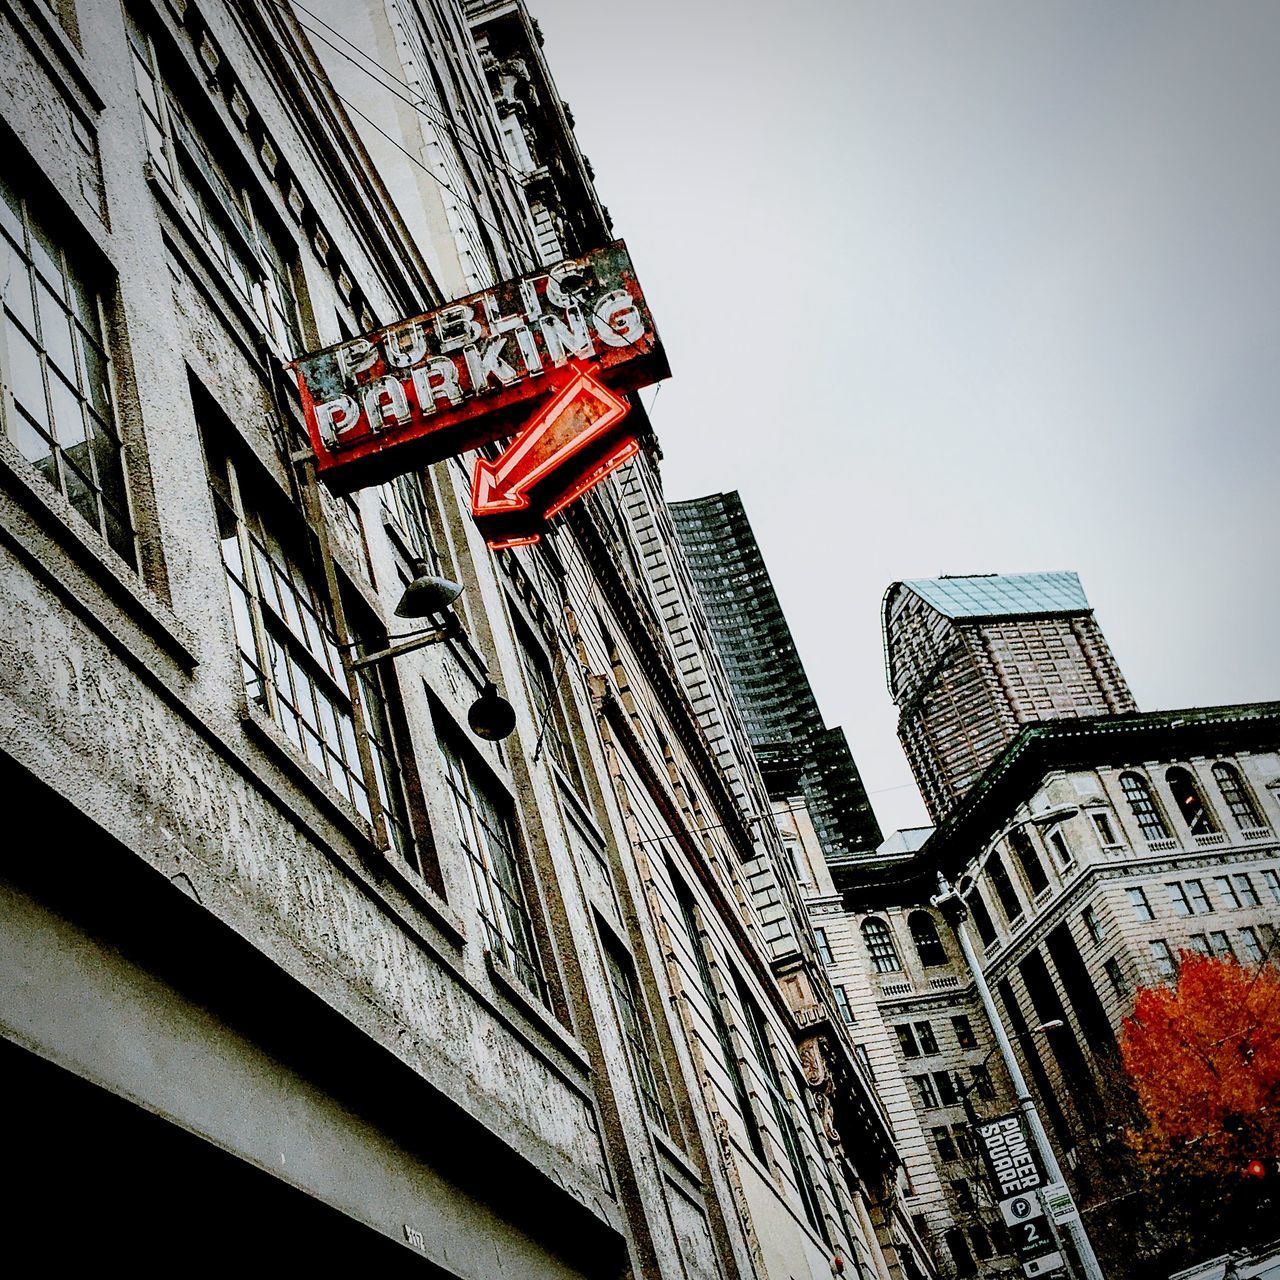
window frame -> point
(67, 385)
(1144, 807)
(510, 935)
(636, 1025)
(882, 952)
(284, 629)
(1237, 796)
(223, 215)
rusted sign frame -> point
(469, 373)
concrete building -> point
(970, 660)
(1091, 853)
(299, 970)
(768, 679)
(1092, 849)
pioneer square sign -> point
(478, 370)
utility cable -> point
(520, 253)
(351, 106)
(481, 149)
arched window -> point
(1137, 792)
(924, 933)
(1189, 803)
(1236, 794)
(875, 933)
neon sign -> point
(468, 374)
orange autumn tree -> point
(1203, 1059)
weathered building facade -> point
(296, 943)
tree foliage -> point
(1202, 1059)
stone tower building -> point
(970, 660)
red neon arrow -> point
(578, 414)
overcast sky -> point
(959, 287)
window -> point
(489, 840)
(289, 657)
(1093, 926)
(964, 1032)
(942, 1140)
(946, 1087)
(58, 407)
(1061, 849)
(924, 1087)
(718, 1019)
(963, 1193)
(1138, 793)
(404, 507)
(220, 214)
(1236, 794)
(1272, 880)
(1141, 907)
(636, 1031)
(981, 1243)
(843, 1005)
(925, 1037)
(782, 1110)
(981, 918)
(1166, 966)
(907, 1041)
(1199, 943)
(1253, 948)
(964, 1142)
(958, 1247)
(1178, 898)
(1106, 832)
(1238, 890)
(864, 1060)
(1200, 901)
(1248, 894)
(924, 934)
(1115, 975)
(548, 707)
(875, 933)
(824, 947)
(982, 1084)
(1220, 945)
(1003, 886)
(1029, 860)
(1188, 801)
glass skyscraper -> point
(797, 753)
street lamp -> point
(952, 905)
(969, 1110)
(428, 596)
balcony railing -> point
(1256, 833)
(1211, 838)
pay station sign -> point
(473, 372)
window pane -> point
(50, 394)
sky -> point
(962, 287)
